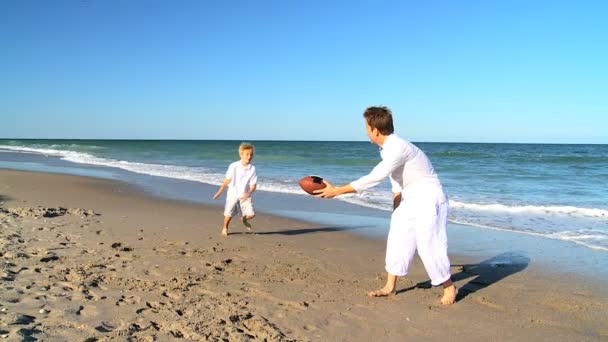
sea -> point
(549, 191)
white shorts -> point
(234, 203)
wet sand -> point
(85, 259)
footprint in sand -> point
(128, 300)
(155, 306)
(21, 319)
(105, 327)
(85, 311)
(8, 275)
(49, 258)
(485, 301)
(172, 295)
(153, 272)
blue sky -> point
(470, 71)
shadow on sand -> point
(304, 230)
(4, 198)
(484, 274)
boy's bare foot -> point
(449, 295)
(383, 292)
(246, 223)
(225, 231)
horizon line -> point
(303, 140)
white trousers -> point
(419, 223)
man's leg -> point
(432, 246)
(400, 249)
(449, 293)
(388, 289)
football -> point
(311, 183)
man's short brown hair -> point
(380, 118)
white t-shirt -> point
(241, 177)
(403, 162)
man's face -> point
(371, 133)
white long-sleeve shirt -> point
(404, 163)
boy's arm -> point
(221, 189)
(247, 194)
(253, 184)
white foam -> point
(170, 171)
(531, 209)
(48, 152)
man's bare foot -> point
(246, 223)
(449, 295)
(383, 292)
(225, 231)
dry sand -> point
(85, 259)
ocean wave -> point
(383, 201)
(532, 209)
(63, 147)
(197, 174)
(162, 170)
(461, 154)
(373, 199)
(593, 239)
(44, 151)
(488, 216)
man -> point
(420, 206)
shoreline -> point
(553, 256)
(147, 267)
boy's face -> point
(246, 156)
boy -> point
(241, 180)
(420, 206)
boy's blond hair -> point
(246, 146)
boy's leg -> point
(227, 220)
(229, 211)
(246, 222)
(247, 212)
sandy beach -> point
(86, 259)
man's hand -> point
(245, 196)
(328, 192)
(396, 200)
(217, 194)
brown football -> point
(311, 183)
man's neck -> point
(381, 139)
